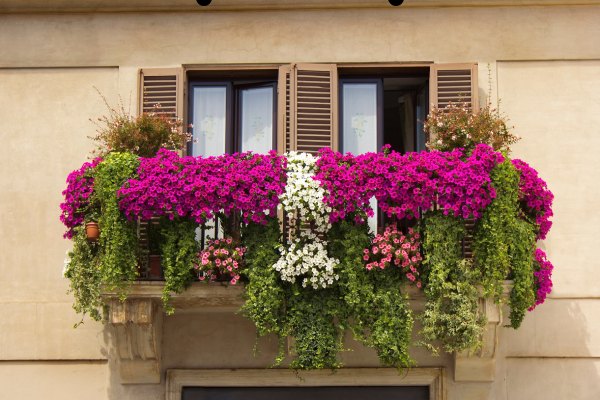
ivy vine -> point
(521, 251)
(118, 236)
(83, 272)
(504, 242)
(265, 297)
(374, 306)
(179, 250)
(451, 313)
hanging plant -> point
(329, 274)
(451, 313)
(77, 206)
(85, 280)
(179, 255)
(118, 237)
(543, 278)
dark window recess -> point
(401, 101)
(303, 393)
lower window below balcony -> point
(302, 393)
(346, 383)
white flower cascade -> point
(306, 257)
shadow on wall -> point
(556, 353)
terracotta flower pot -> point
(92, 231)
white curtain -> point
(257, 119)
(359, 119)
(210, 105)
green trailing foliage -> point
(504, 243)
(493, 232)
(375, 309)
(83, 272)
(179, 251)
(265, 296)
(391, 328)
(310, 317)
(451, 315)
(371, 305)
(313, 321)
(521, 250)
(118, 236)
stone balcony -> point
(136, 326)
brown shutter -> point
(308, 94)
(454, 83)
(285, 125)
(164, 87)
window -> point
(384, 383)
(232, 115)
(388, 108)
(382, 107)
(307, 392)
(234, 103)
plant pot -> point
(92, 231)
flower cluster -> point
(307, 259)
(394, 248)
(80, 186)
(347, 184)
(406, 184)
(222, 259)
(302, 199)
(307, 214)
(457, 126)
(543, 277)
(535, 197)
(198, 188)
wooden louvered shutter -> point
(308, 102)
(454, 83)
(285, 131)
(164, 87)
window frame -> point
(379, 83)
(232, 77)
(434, 378)
(228, 110)
(237, 129)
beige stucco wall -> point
(50, 64)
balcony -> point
(291, 245)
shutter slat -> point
(454, 83)
(315, 106)
(161, 87)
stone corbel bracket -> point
(137, 328)
(480, 366)
(136, 324)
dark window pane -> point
(311, 393)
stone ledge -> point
(137, 328)
(88, 6)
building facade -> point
(538, 60)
